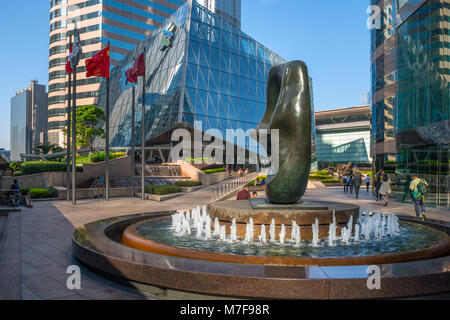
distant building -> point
(343, 135)
(5, 154)
(28, 119)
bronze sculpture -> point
(289, 110)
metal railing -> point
(226, 188)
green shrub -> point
(320, 172)
(24, 191)
(319, 177)
(330, 180)
(162, 190)
(38, 193)
(213, 166)
(33, 167)
(188, 184)
(212, 171)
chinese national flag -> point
(99, 65)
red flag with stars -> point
(99, 65)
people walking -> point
(350, 183)
(385, 188)
(357, 182)
(377, 181)
(406, 192)
(367, 181)
(344, 181)
(418, 187)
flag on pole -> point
(99, 65)
(138, 69)
(125, 82)
(76, 49)
(68, 67)
(131, 73)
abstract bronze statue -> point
(289, 111)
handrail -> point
(228, 187)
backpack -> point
(422, 187)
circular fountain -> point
(280, 247)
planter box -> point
(155, 197)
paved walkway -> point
(37, 242)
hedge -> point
(39, 193)
(319, 177)
(33, 167)
(100, 156)
(330, 180)
(162, 190)
(212, 171)
(188, 184)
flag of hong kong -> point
(99, 65)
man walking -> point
(418, 187)
(367, 181)
(357, 182)
(345, 181)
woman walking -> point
(385, 188)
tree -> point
(46, 148)
(88, 117)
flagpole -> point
(69, 110)
(143, 136)
(107, 141)
(74, 137)
(132, 143)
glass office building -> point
(28, 120)
(199, 68)
(123, 23)
(411, 71)
(343, 136)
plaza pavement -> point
(36, 248)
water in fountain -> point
(262, 236)
(298, 236)
(272, 231)
(216, 227)
(345, 235)
(282, 234)
(208, 227)
(370, 226)
(293, 231)
(233, 235)
(356, 239)
(315, 232)
(332, 231)
(249, 232)
(223, 233)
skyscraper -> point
(227, 9)
(410, 93)
(28, 119)
(123, 23)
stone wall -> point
(188, 170)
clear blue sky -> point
(329, 35)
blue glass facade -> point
(411, 93)
(211, 72)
